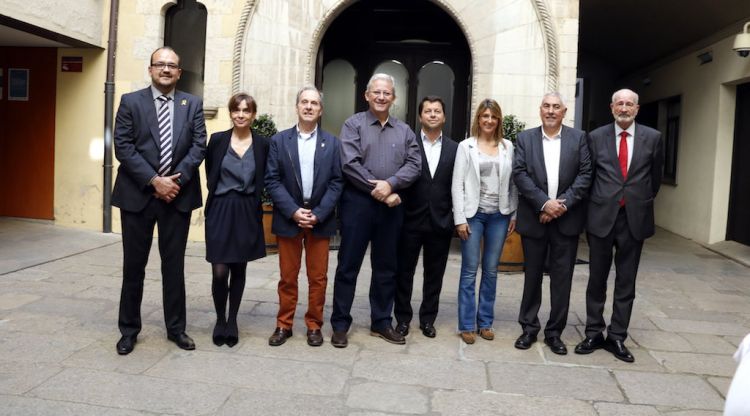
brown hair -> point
(494, 107)
(234, 102)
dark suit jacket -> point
(427, 202)
(217, 149)
(284, 182)
(530, 176)
(137, 148)
(608, 186)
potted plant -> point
(511, 259)
(264, 125)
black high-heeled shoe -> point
(231, 335)
(219, 336)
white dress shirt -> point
(630, 140)
(432, 151)
(551, 146)
(306, 150)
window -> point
(185, 32)
(664, 115)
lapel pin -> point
(183, 102)
(322, 145)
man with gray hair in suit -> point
(379, 157)
(552, 170)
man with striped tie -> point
(160, 140)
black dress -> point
(234, 230)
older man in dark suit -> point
(428, 221)
(303, 177)
(552, 170)
(160, 140)
(627, 160)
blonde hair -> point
(494, 107)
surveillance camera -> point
(742, 42)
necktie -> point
(165, 136)
(623, 156)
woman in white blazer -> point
(484, 208)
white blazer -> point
(465, 185)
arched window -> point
(185, 32)
(399, 73)
(338, 94)
(436, 78)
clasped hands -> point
(553, 208)
(166, 187)
(304, 218)
(384, 193)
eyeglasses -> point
(162, 65)
(385, 94)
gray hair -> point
(382, 77)
(624, 90)
(556, 95)
(310, 88)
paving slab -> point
(619, 409)
(29, 406)
(459, 403)
(554, 381)
(39, 348)
(677, 390)
(20, 377)
(389, 398)
(700, 327)
(694, 363)
(124, 391)
(252, 402)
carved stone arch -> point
(333, 13)
(239, 43)
(550, 44)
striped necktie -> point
(165, 136)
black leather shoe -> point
(389, 335)
(232, 334)
(182, 340)
(524, 341)
(338, 339)
(556, 345)
(219, 336)
(280, 335)
(619, 350)
(403, 328)
(589, 345)
(314, 337)
(428, 330)
(126, 344)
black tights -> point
(222, 287)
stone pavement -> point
(59, 291)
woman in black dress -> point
(235, 167)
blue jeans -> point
(493, 229)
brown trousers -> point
(316, 263)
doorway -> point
(27, 136)
(416, 42)
(738, 222)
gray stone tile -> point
(502, 350)
(702, 364)
(37, 348)
(29, 406)
(692, 413)
(619, 409)
(603, 359)
(101, 355)
(660, 340)
(677, 390)
(256, 373)
(296, 348)
(462, 403)
(250, 402)
(133, 392)
(699, 327)
(388, 398)
(721, 384)
(710, 344)
(445, 373)
(554, 381)
(20, 377)
(10, 301)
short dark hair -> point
(237, 99)
(430, 99)
(163, 48)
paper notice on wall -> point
(18, 84)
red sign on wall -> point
(71, 64)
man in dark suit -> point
(303, 177)
(428, 221)
(627, 160)
(379, 158)
(552, 170)
(160, 140)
